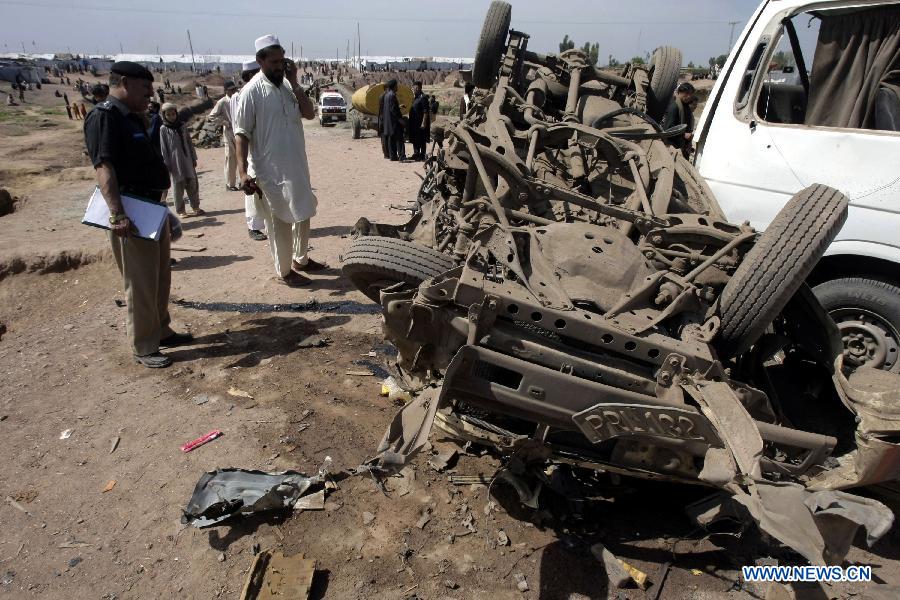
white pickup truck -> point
(811, 94)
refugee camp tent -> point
(13, 73)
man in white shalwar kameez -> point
(221, 115)
(255, 223)
(269, 131)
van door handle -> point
(752, 126)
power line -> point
(298, 17)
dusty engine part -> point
(568, 283)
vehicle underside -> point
(568, 291)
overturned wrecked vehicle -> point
(568, 290)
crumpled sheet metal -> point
(820, 526)
(224, 493)
(406, 434)
(874, 396)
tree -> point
(592, 51)
(783, 59)
(717, 61)
(637, 60)
(613, 62)
(691, 65)
(566, 44)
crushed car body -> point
(568, 290)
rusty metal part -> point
(580, 320)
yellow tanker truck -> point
(366, 102)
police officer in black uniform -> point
(126, 162)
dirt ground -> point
(89, 517)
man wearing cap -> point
(221, 115)
(255, 223)
(126, 162)
(272, 158)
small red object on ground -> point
(201, 440)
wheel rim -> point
(869, 339)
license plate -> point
(606, 421)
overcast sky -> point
(388, 27)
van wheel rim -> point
(869, 340)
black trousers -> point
(417, 138)
(398, 146)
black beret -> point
(126, 68)
(229, 85)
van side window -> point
(747, 79)
(835, 68)
(783, 93)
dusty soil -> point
(64, 366)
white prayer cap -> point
(249, 66)
(266, 41)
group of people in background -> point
(394, 128)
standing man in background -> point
(221, 115)
(392, 120)
(255, 223)
(679, 113)
(126, 162)
(272, 158)
(417, 113)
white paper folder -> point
(149, 217)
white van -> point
(811, 94)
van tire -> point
(665, 69)
(869, 308)
(373, 263)
(776, 266)
(491, 43)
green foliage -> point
(691, 65)
(783, 59)
(592, 51)
(717, 60)
(613, 62)
(638, 60)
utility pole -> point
(358, 48)
(731, 34)
(121, 49)
(191, 45)
(292, 50)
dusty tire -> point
(491, 43)
(778, 263)
(356, 126)
(373, 263)
(666, 67)
(867, 313)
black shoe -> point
(256, 234)
(394, 159)
(154, 360)
(176, 339)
